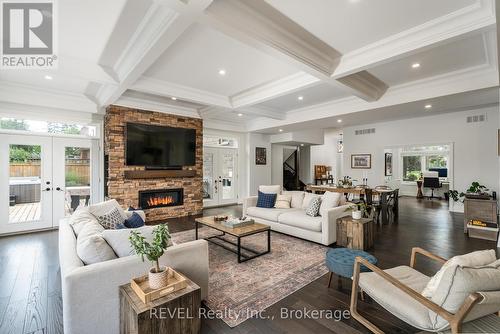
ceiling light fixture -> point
(301, 144)
(173, 98)
(222, 72)
(428, 106)
(415, 65)
(339, 121)
(280, 130)
(300, 98)
(240, 114)
(48, 77)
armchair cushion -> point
(396, 301)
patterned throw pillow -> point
(313, 208)
(283, 202)
(111, 220)
(266, 200)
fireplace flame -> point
(160, 200)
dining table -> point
(383, 194)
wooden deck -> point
(27, 212)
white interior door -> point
(220, 176)
(25, 183)
(210, 177)
(76, 175)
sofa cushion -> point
(298, 218)
(102, 208)
(396, 301)
(268, 214)
(308, 197)
(274, 189)
(266, 200)
(457, 283)
(119, 239)
(111, 219)
(329, 200)
(91, 246)
(313, 208)
(297, 198)
(80, 218)
(283, 201)
(477, 258)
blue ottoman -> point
(340, 261)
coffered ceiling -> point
(262, 65)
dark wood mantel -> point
(158, 174)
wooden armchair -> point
(401, 296)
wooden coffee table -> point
(238, 232)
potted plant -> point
(475, 189)
(360, 210)
(158, 277)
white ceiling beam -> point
(365, 85)
(263, 112)
(163, 22)
(273, 89)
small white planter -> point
(356, 214)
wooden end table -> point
(239, 233)
(355, 233)
(176, 313)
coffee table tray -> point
(140, 285)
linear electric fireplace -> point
(158, 198)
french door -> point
(220, 181)
(44, 179)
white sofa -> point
(90, 292)
(295, 221)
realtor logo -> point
(28, 35)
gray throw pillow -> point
(111, 220)
(313, 208)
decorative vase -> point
(158, 280)
(356, 214)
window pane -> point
(47, 127)
(412, 167)
(437, 161)
(77, 178)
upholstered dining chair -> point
(462, 295)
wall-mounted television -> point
(159, 146)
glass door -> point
(26, 171)
(227, 184)
(75, 172)
(210, 178)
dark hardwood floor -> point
(30, 292)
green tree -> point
(23, 153)
(68, 129)
(13, 124)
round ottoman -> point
(340, 261)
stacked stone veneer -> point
(126, 191)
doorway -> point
(44, 179)
(220, 179)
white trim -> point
(133, 102)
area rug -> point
(237, 291)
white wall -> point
(305, 171)
(257, 174)
(327, 155)
(474, 145)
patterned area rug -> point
(238, 290)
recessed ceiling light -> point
(240, 114)
(173, 98)
(415, 65)
(428, 106)
(301, 144)
(222, 72)
(300, 98)
(339, 121)
(48, 77)
(280, 130)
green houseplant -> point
(475, 188)
(158, 277)
(360, 210)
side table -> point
(355, 233)
(175, 313)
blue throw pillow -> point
(134, 221)
(120, 226)
(266, 200)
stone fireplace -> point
(159, 198)
(181, 191)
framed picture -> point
(388, 164)
(260, 156)
(361, 161)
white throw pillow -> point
(297, 198)
(103, 208)
(474, 259)
(119, 242)
(80, 218)
(313, 209)
(283, 201)
(308, 197)
(329, 200)
(276, 189)
(90, 245)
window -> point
(216, 141)
(47, 127)
(418, 159)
